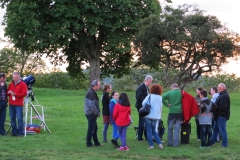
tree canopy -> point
(95, 33)
(184, 39)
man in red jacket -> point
(17, 90)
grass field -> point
(65, 118)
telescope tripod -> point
(32, 108)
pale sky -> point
(226, 11)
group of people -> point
(214, 113)
(14, 93)
(117, 112)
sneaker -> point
(208, 146)
(160, 146)
(151, 147)
(199, 140)
(202, 147)
(98, 145)
(121, 149)
(115, 143)
(126, 148)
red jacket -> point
(121, 115)
(189, 106)
(21, 91)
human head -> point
(16, 77)
(221, 87)
(96, 85)
(115, 95)
(198, 90)
(203, 93)
(2, 77)
(213, 90)
(124, 100)
(107, 88)
(175, 86)
(156, 89)
(148, 80)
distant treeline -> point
(62, 80)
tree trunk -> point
(94, 69)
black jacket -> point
(105, 104)
(91, 105)
(223, 103)
(141, 93)
(4, 87)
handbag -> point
(145, 110)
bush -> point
(60, 80)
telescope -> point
(29, 80)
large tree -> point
(96, 32)
(184, 39)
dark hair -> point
(199, 88)
(2, 75)
(106, 86)
(156, 89)
(215, 89)
(113, 92)
(124, 100)
(204, 93)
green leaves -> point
(183, 39)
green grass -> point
(64, 115)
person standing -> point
(92, 111)
(198, 100)
(141, 94)
(173, 100)
(17, 90)
(214, 93)
(113, 101)
(155, 100)
(121, 116)
(221, 115)
(205, 119)
(105, 110)
(3, 103)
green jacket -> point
(173, 97)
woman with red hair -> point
(155, 100)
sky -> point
(226, 11)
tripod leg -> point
(8, 128)
(40, 118)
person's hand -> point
(2, 84)
(9, 92)
(13, 93)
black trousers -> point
(92, 130)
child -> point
(205, 119)
(112, 103)
(121, 116)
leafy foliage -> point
(93, 33)
(12, 59)
(186, 40)
(60, 80)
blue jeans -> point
(174, 122)
(206, 134)
(105, 128)
(115, 134)
(123, 134)
(16, 112)
(141, 128)
(92, 130)
(3, 105)
(220, 127)
(151, 131)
